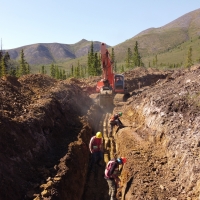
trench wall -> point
(177, 137)
(72, 170)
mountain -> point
(170, 42)
(160, 40)
(46, 53)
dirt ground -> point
(46, 125)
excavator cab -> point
(119, 83)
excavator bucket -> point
(106, 97)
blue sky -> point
(25, 22)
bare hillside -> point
(44, 53)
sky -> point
(25, 22)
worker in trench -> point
(96, 149)
(112, 173)
(115, 121)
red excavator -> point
(111, 87)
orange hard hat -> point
(121, 160)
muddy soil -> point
(46, 125)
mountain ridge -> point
(46, 53)
(151, 41)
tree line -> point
(8, 68)
(93, 68)
(133, 58)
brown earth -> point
(46, 125)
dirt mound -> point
(39, 118)
(45, 127)
(162, 146)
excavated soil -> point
(46, 125)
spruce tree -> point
(60, 74)
(72, 71)
(113, 55)
(75, 72)
(64, 75)
(13, 71)
(27, 68)
(113, 59)
(128, 61)
(17, 71)
(136, 56)
(78, 70)
(91, 65)
(6, 58)
(23, 63)
(189, 58)
(82, 72)
(3, 67)
(1, 54)
(53, 71)
(97, 65)
(88, 62)
(57, 72)
(93, 62)
(43, 69)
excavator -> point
(111, 87)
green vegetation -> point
(133, 59)
(189, 58)
(175, 45)
(93, 62)
(4, 59)
(24, 66)
(171, 56)
(182, 55)
(57, 73)
(176, 57)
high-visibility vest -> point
(114, 117)
(95, 144)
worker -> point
(96, 149)
(115, 121)
(118, 81)
(112, 173)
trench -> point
(96, 186)
(61, 166)
(72, 176)
(73, 180)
